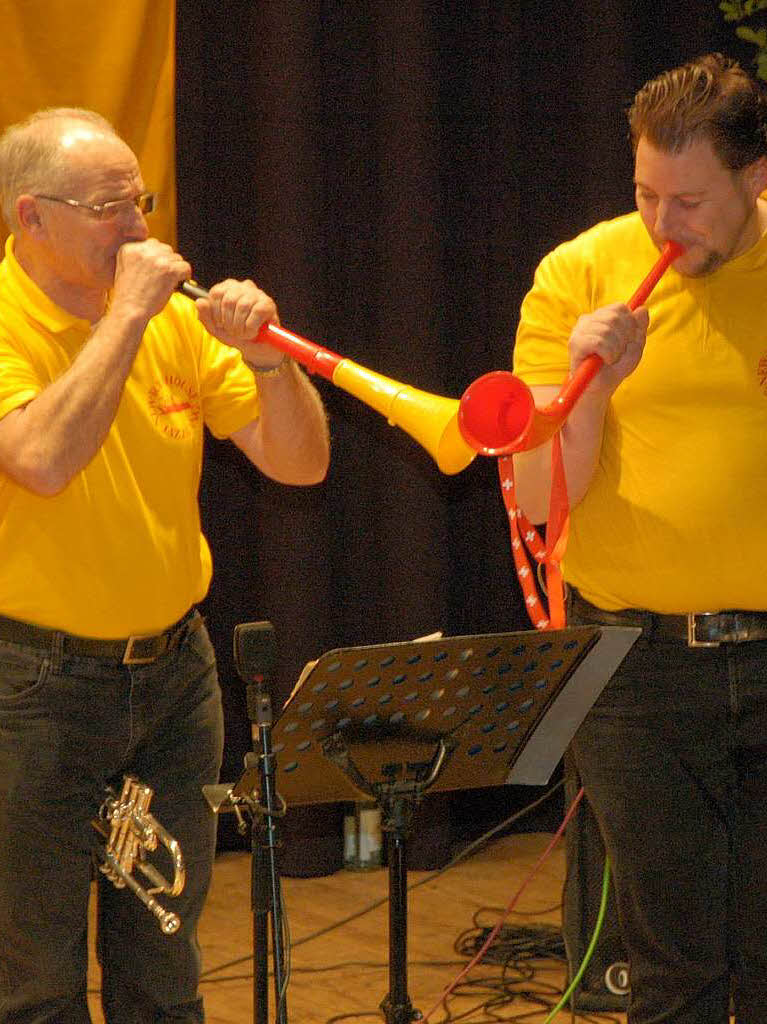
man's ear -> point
(28, 214)
(756, 176)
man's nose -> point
(665, 220)
(136, 225)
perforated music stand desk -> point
(511, 703)
(506, 704)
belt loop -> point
(57, 652)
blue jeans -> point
(673, 758)
(70, 726)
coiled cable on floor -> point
(491, 937)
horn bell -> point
(496, 413)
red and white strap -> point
(547, 554)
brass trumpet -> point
(130, 832)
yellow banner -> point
(115, 58)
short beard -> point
(713, 261)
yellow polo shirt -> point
(675, 519)
(120, 550)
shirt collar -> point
(33, 299)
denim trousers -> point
(673, 758)
(70, 726)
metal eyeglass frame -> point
(144, 202)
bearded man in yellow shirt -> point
(664, 458)
(107, 379)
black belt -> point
(696, 629)
(133, 650)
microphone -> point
(255, 656)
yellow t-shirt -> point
(119, 551)
(675, 519)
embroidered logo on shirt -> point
(175, 407)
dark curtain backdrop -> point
(392, 173)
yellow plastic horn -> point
(431, 420)
(495, 416)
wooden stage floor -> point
(343, 973)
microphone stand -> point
(256, 791)
(266, 892)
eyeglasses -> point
(144, 202)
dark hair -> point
(711, 97)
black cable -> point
(542, 942)
(285, 938)
(498, 993)
(342, 965)
(354, 1016)
(523, 954)
(468, 851)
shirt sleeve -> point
(561, 292)
(230, 397)
(19, 383)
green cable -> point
(592, 945)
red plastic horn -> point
(429, 419)
(497, 414)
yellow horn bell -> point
(431, 420)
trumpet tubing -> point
(116, 873)
(130, 832)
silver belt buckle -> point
(732, 629)
(692, 638)
(128, 658)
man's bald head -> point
(37, 155)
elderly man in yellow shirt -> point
(107, 380)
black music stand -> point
(393, 721)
